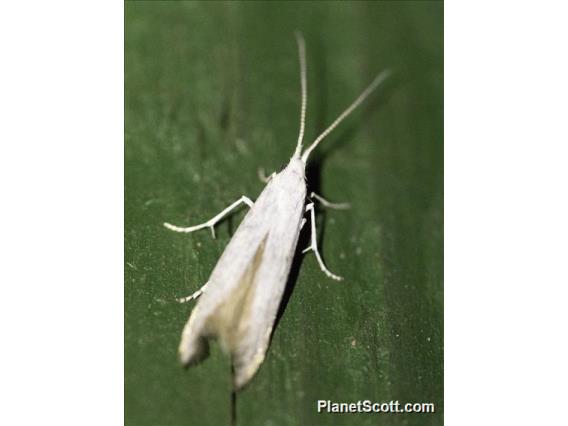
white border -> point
(61, 174)
(506, 179)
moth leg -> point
(325, 203)
(213, 221)
(314, 244)
(262, 175)
(194, 295)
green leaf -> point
(211, 94)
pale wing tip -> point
(239, 384)
(242, 378)
(193, 353)
(244, 373)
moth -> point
(238, 304)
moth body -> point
(239, 303)
(246, 286)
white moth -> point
(239, 302)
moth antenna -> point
(304, 85)
(374, 84)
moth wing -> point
(246, 286)
(225, 285)
(263, 300)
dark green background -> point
(211, 94)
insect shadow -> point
(313, 177)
